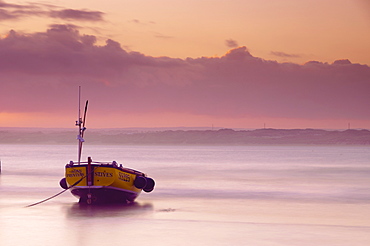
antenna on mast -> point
(81, 125)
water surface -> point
(205, 195)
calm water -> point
(204, 196)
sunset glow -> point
(234, 64)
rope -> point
(47, 199)
(34, 204)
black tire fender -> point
(63, 183)
(140, 182)
(150, 183)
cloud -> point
(282, 54)
(159, 35)
(15, 11)
(342, 62)
(41, 71)
(19, 11)
(231, 43)
(14, 6)
(82, 15)
(5, 15)
(140, 22)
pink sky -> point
(236, 64)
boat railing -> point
(113, 163)
(106, 164)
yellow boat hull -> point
(105, 183)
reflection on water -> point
(108, 210)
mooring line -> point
(34, 204)
(61, 191)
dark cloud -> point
(231, 43)
(342, 62)
(14, 6)
(82, 15)
(18, 11)
(5, 15)
(15, 11)
(48, 66)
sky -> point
(160, 63)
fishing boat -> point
(96, 182)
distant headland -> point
(133, 136)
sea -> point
(204, 195)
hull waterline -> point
(99, 195)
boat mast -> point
(81, 125)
